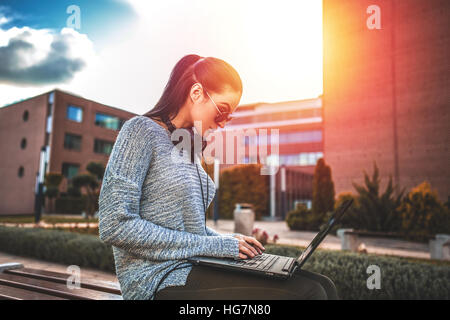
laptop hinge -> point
(288, 268)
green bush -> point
(70, 205)
(57, 246)
(400, 278)
(243, 184)
(377, 212)
(423, 215)
(350, 216)
(419, 216)
(304, 219)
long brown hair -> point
(213, 73)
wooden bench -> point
(20, 283)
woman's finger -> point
(249, 248)
(255, 243)
(242, 256)
(244, 249)
(242, 253)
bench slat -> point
(13, 293)
(52, 288)
(58, 277)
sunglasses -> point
(222, 116)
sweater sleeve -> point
(212, 232)
(121, 225)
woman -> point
(152, 209)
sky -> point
(121, 52)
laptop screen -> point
(324, 231)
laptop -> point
(274, 266)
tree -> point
(52, 180)
(91, 182)
(323, 190)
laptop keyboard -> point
(260, 262)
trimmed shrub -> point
(323, 190)
(243, 184)
(400, 278)
(57, 246)
(304, 219)
(350, 217)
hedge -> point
(57, 246)
(401, 278)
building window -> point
(72, 142)
(74, 113)
(102, 146)
(107, 121)
(287, 137)
(23, 143)
(25, 115)
(69, 170)
(50, 103)
(51, 97)
(301, 137)
(49, 124)
(299, 159)
(21, 172)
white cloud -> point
(3, 20)
(33, 61)
(37, 57)
(275, 47)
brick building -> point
(386, 96)
(298, 122)
(72, 130)
(299, 146)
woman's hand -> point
(248, 246)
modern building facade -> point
(386, 96)
(57, 131)
(294, 149)
(300, 130)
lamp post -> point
(283, 191)
(39, 191)
(216, 182)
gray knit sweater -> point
(151, 211)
